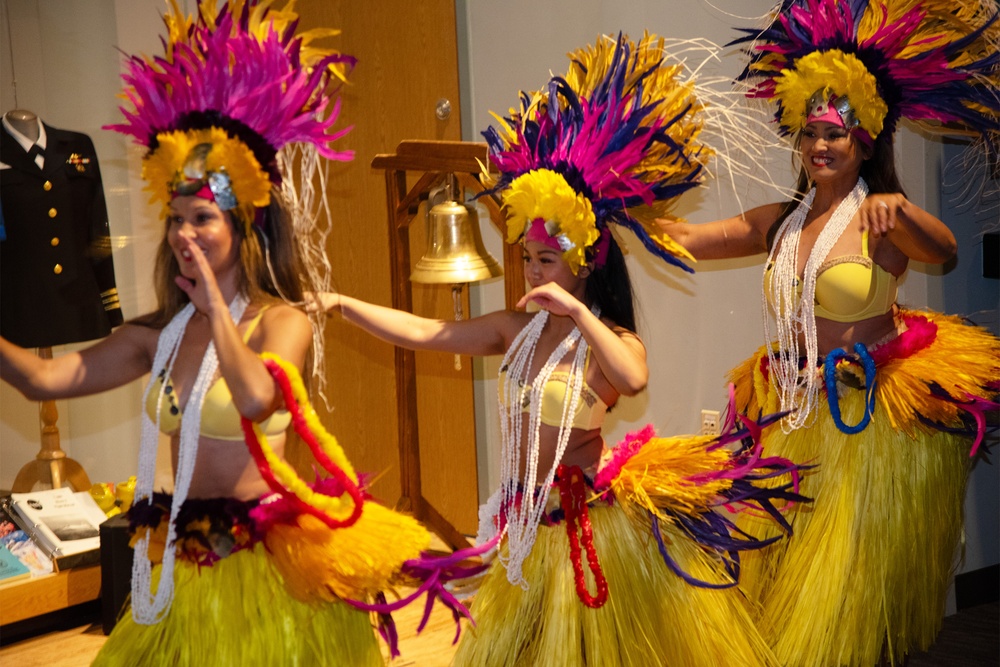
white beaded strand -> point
(149, 608)
(795, 315)
(524, 514)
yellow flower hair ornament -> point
(834, 74)
(185, 162)
(545, 195)
(335, 511)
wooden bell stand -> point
(437, 160)
(51, 465)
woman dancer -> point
(226, 572)
(625, 563)
(884, 399)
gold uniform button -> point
(53, 213)
(57, 269)
(47, 186)
(54, 241)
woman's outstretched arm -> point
(738, 236)
(118, 359)
(479, 336)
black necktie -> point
(35, 151)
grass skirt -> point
(866, 573)
(232, 604)
(238, 612)
(652, 616)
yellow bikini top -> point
(590, 410)
(219, 417)
(849, 288)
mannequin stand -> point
(51, 465)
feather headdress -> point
(934, 61)
(235, 86)
(619, 133)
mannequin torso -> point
(24, 121)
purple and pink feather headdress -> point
(930, 61)
(612, 142)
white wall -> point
(964, 290)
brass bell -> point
(455, 251)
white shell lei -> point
(525, 512)
(795, 316)
(149, 607)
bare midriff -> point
(831, 335)
(225, 469)
(583, 449)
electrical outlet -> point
(710, 422)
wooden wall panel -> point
(408, 60)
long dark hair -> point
(272, 229)
(879, 172)
(610, 288)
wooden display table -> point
(41, 595)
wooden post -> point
(438, 160)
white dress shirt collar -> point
(27, 143)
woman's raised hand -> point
(880, 212)
(203, 292)
(553, 298)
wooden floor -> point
(970, 638)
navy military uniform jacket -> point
(57, 278)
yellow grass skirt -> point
(652, 616)
(239, 612)
(866, 573)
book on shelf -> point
(65, 524)
(18, 543)
(11, 569)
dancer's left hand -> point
(553, 298)
(880, 212)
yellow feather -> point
(164, 166)
(837, 73)
(354, 562)
(656, 478)
(545, 194)
(963, 360)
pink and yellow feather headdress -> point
(234, 86)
